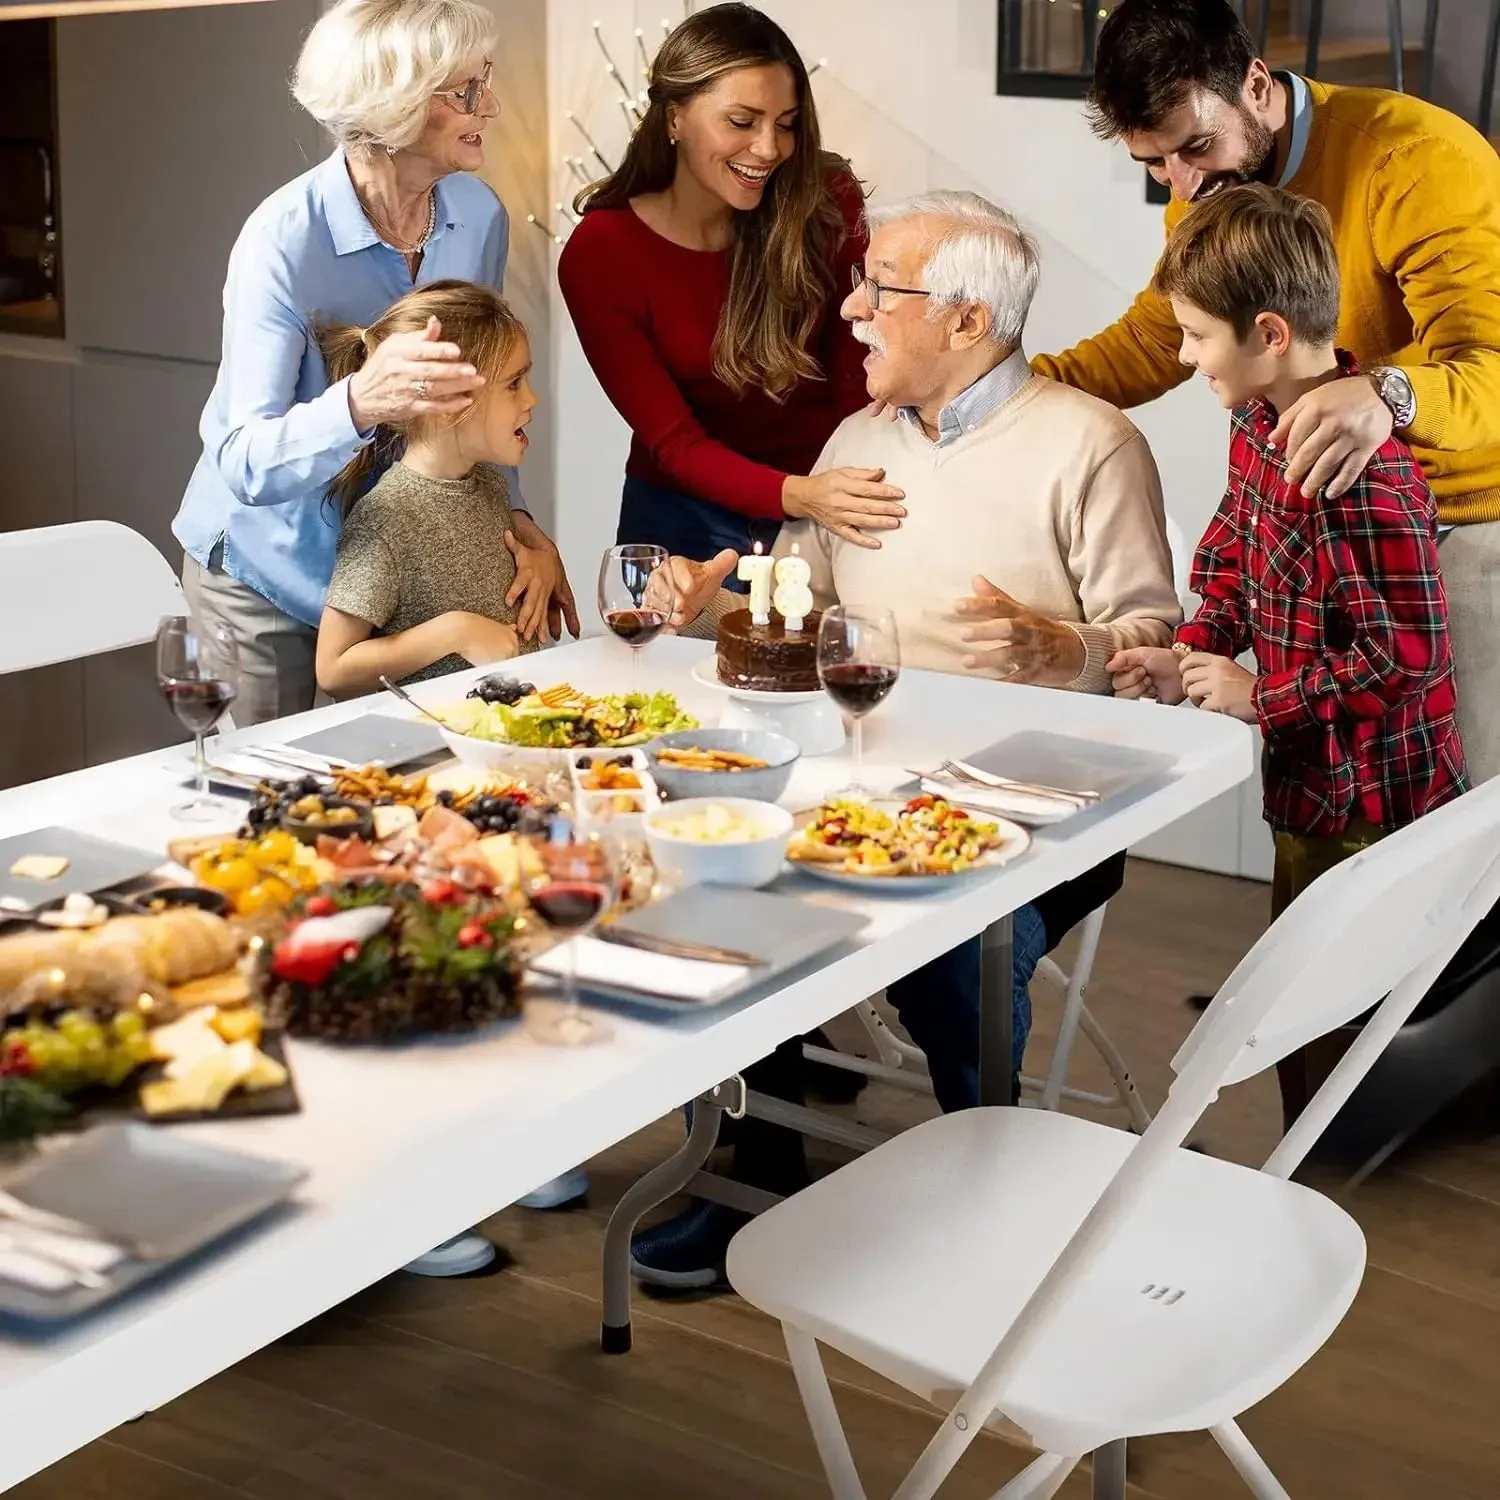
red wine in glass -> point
(198, 670)
(199, 703)
(859, 660)
(858, 687)
(570, 885)
(636, 627)
(636, 597)
(570, 905)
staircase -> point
(1047, 46)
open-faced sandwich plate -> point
(922, 844)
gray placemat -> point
(1072, 765)
(783, 930)
(93, 865)
(371, 737)
(173, 1195)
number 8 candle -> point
(793, 599)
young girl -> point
(426, 558)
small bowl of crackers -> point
(748, 763)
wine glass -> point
(570, 885)
(636, 597)
(198, 670)
(859, 660)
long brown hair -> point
(781, 272)
(476, 318)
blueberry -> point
(445, 798)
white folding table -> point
(406, 1146)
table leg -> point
(997, 1024)
(659, 1184)
(1109, 1471)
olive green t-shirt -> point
(415, 548)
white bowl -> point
(498, 755)
(751, 863)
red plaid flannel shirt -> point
(1343, 605)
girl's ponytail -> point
(345, 349)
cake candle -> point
(755, 569)
(793, 599)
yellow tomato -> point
(277, 847)
(264, 895)
(226, 870)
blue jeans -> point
(687, 526)
(939, 1006)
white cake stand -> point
(811, 719)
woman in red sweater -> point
(705, 279)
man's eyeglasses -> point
(466, 99)
(875, 291)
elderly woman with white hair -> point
(403, 86)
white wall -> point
(908, 95)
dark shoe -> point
(686, 1253)
(827, 1084)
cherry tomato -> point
(439, 892)
(321, 906)
(264, 895)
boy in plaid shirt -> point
(1340, 599)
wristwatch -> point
(1392, 386)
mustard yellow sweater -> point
(1414, 194)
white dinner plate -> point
(1017, 842)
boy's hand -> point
(1331, 433)
(1146, 672)
(479, 639)
(1219, 685)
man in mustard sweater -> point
(1414, 195)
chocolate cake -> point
(767, 658)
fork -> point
(957, 770)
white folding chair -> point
(1087, 1285)
(79, 590)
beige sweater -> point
(1054, 497)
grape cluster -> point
(272, 798)
(504, 690)
(74, 1049)
(507, 814)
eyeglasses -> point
(875, 291)
(466, 100)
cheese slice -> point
(40, 866)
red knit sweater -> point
(647, 311)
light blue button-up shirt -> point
(987, 395)
(274, 431)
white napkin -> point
(1001, 801)
(615, 967)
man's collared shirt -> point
(1302, 112)
(988, 394)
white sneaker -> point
(560, 1192)
(461, 1256)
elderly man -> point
(1033, 548)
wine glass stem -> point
(859, 753)
(200, 763)
(570, 991)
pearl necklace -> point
(383, 230)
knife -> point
(677, 948)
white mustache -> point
(867, 335)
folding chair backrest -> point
(1384, 923)
(1350, 939)
(80, 590)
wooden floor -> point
(492, 1390)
